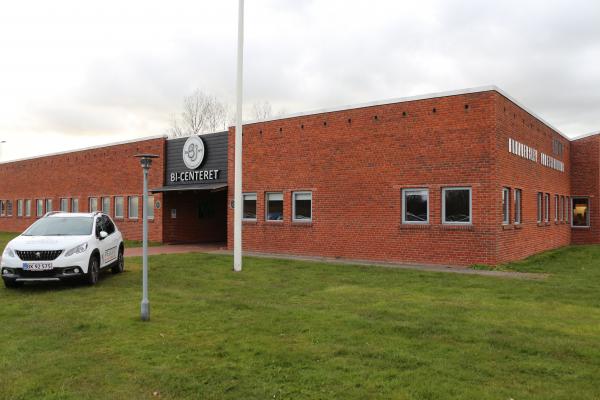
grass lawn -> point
(6, 237)
(290, 329)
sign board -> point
(197, 160)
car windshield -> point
(57, 226)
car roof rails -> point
(51, 213)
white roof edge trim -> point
(585, 135)
(100, 146)
(478, 89)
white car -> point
(63, 246)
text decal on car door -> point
(110, 254)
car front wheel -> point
(93, 271)
(120, 264)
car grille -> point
(39, 255)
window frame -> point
(150, 207)
(556, 206)
(39, 211)
(255, 206)
(518, 203)
(301, 220)
(404, 193)
(117, 216)
(20, 208)
(90, 204)
(129, 208)
(588, 217)
(60, 204)
(547, 207)
(267, 194)
(444, 190)
(27, 208)
(506, 206)
(568, 210)
(107, 211)
(9, 208)
(48, 202)
(74, 204)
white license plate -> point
(37, 266)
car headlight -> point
(76, 250)
(8, 252)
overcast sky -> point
(79, 73)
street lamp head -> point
(146, 159)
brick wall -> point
(356, 163)
(517, 241)
(106, 171)
(585, 181)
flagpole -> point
(237, 210)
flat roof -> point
(479, 89)
(585, 135)
(100, 146)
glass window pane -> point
(416, 206)
(457, 206)
(48, 205)
(303, 206)
(505, 206)
(40, 207)
(20, 208)
(249, 210)
(133, 207)
(28, 208)
(119, 205)
(274, 209)
(64, 205)
(581, 216)
(150, 208)
(74, 205)
(106, 205)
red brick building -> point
(457, 178)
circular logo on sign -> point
(193, 152)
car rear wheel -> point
(93, 271)
(120, 264)
(12, 284)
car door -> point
(111, 242)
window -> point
(555, 208)
(74, 205)
(456, 205)
(28, 208)
(19, 208)
(581, 212)
(540, 207)
(106, 205)
(150, 209)
(415, 206)
(249, 210)
(132, 204)
(302, 206)
(9, 209)
(567, 210)
(274, 208)
(64, 205)
(93, 204)
(48, 205)
(561, 216)
(109, 225)
(546, 207)
(2, 209)
(518, 207)
(557, 147)
(505, 206)
(119, 205)
(40, 207)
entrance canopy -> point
(179, 188)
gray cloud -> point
(302, 55)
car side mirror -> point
(103, 235)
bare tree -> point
(201, 113)
(262, 110)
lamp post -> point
(146, 162)
(237, 191)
